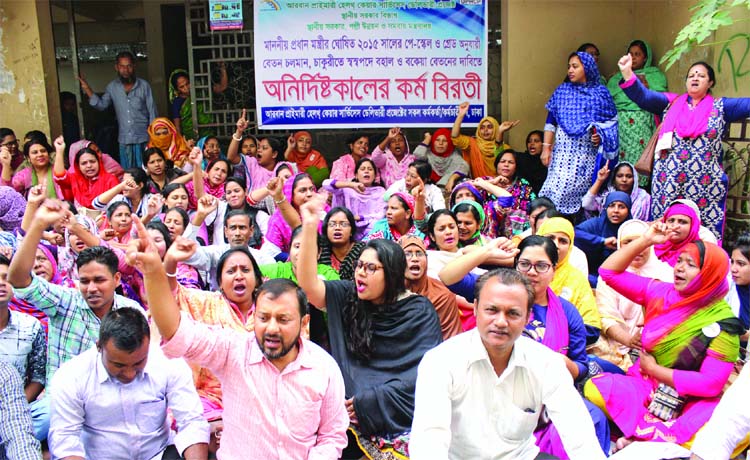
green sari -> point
(186, 113)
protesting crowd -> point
(446, 297)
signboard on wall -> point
(345, 64)
(225, 14)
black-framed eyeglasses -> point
(540, 267)
(9, 143)
(338, 224)
(369, 267)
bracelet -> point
(545, 143)
(172, 275)
(238, 140)
(279, 201)
(250, 200)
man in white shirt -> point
(480, 394)
(111, 401)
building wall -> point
(28, 80)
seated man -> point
(238, 229)
(288, 390)
(418, 282)
(111, 401)
(514, 378)
(16, 437)
(23, 345)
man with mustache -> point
(134, 107)
(289, 390)
(418, 282)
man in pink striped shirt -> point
(283, 395)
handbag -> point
(666, 403)
(645, 163)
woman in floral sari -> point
(690, 342)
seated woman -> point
(419, 173)
(39, 171)
(739, 292)
(446, 162)
(110, 164)
(398, 220)
(624, 179)
(308, 160)
(494, 200)
(359, 147)
(117, 229)
(512, 220)
(597, 236)
(211, 183)
(86, 179)
(134, 191)
(569, 283)
(163, 135)
(470, 218)
(296, 191)
(181, 107)
(392, 156)
(480, 151)
(160, 171)
(362, 196)
(231, 307)
(338, 247)
(210, 151)
(378, 332)
(684, 226)
(256, 169)
(622, 319)
(443, 233)
(690, 342)
(530, 164)
(556, 323)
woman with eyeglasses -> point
(556, 323)
(363, 196)
(337, 245)
(378, 333)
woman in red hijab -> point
(299, 150)
(447, 163)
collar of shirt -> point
(304, 357)
(102, 375)
(477, 353)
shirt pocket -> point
(151, 415)
(514, 424)
(303, 418)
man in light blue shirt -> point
(134, 106)
(111, 401)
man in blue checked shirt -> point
(16, 437)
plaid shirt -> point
(23, 345)
(16, 436)
(73, 326)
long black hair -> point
(359, 313)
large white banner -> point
(348, 64)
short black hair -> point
(125, 54)
(4, 260)
(349, 217)
(117, 204)
(424, 170)
(276, 287)
(544, 242)
(161, 228)
(549, 213)
(99, 254)
(508, 277)
(126, 327)
(6, 132)
(541, 202)
(237, 212)
(140, 177)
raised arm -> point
(35, 199)
(621, 259)
(181, 250)
(307, 277)
(51, 211)
(143, 255)
(103, 200)
(196, 159)
(646, 99)
(5, 160)
(463, 109)
(233, 151)
(59, 166)
(454, 271)
(504, 127)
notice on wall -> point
(225, 14)
(348, 64)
